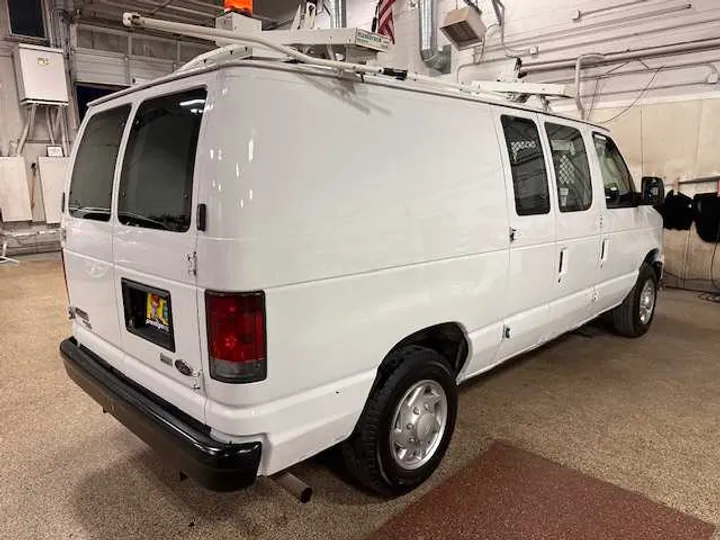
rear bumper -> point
(180, 439)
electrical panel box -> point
(41, 75)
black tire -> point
(626, 317)
(367, 453)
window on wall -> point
(572, 171)
(619, 186)
(157, 176)
(527, 164)
(92, 177)
(26, 18)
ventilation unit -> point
(464, 27)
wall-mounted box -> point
(41, 74)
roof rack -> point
(237, 45)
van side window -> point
(572, 171)
(527, 163)
(92, 177)
(157, 175)
(619, 187)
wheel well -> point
(652, 259)
(447, 339)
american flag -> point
(383, 23)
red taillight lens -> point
(236, 336)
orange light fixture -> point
(239, 5)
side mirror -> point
(653, 190)
(612, 193)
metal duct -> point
(338, 13)
(433, 57)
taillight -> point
(236, 336)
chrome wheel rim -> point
(418, 425)
(647, 301)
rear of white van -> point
(131, 222)
(245, 246)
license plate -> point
(148, 313)
(156, 312)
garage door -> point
(107, 56)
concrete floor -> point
(642, 414)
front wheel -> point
(633, 317)
(407, 423)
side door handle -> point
(562, 264)
(604, 251)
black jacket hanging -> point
(707, 216)
(677, 211)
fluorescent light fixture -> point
(191, 102)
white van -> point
(265, 260)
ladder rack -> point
(237, 46)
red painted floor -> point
(508, 493)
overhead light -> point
(191, 102)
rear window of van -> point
(92, 176)
(157, 175)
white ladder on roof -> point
(238, 46)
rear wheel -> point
(633, 317)
(406, 426)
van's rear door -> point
(87, 249)
(154, 240)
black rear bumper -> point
(180, 439)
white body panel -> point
(365, 212)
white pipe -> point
(64, 131)
(27, 130)
(48, 119)
(578, 68)
(200, 60)
(609, 58)
(580, 14)
(56, 121)
(499, 9)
